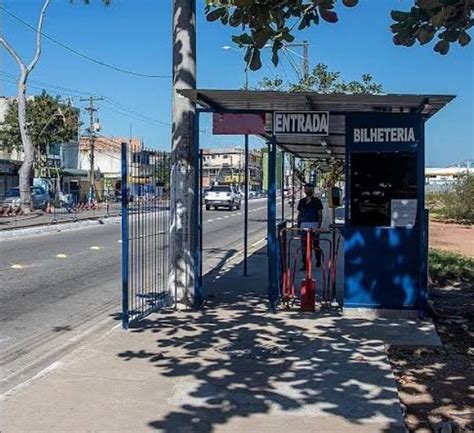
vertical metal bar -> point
(293, 200)
(125, 251)
(423, 223)
(271, 228)
(282, 188)
(201, 202)
(198, 293)
(246, 203)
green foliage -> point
(48, 121)
(449, 20)
(273, 22)
(322, 80)
(458, 204)
(446, 267)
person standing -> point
(310, 216)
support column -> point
(246, 204)
(184, 157)
(282, 188)
(271, 228)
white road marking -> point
(210, 221)
(17, 266)
(61, 256)
(95, 247)
(219, 218)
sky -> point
(136, 35)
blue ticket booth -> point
(380, 139)
(385, 248)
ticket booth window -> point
(376, 179)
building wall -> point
(227, 165)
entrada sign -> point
(301, 122)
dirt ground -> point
(436, 384)
(452, 237)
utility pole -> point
(91, 110)
(305, 59)
(184, 158)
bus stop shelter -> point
(381, 141)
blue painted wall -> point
(383, 264)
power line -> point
(124, 110)
(84, 56)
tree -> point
(25, 70)
(274, 21)
(322, 80)
(26, 140)
(48, 120)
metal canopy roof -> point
(338, 104)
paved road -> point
(56, 288)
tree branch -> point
(12, 52)
(38, 37)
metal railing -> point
(145, 233)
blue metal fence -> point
(145, 232)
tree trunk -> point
(28, 147)
(183, 157)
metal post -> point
(201, 159)
(198, 293)
(293, 193)
(125, 313)
(246, 204)
(271, 228)
(305, 60)
(282, 187)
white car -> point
(222, 196)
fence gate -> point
(145, 232)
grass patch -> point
(447, 266)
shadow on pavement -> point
(235, 361)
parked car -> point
(222, 196)
(39, 198)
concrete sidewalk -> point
(233, 367)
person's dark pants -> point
(315, 245)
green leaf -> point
(255, 63)
(450, 35)
(425, 35)
(328, 16)
(399, 15)
(464, 39)
(215, 14)
(350, 3)
(262, 36)
(442, 47)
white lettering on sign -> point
(384, 135)
(305, 122)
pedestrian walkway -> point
(232, 367)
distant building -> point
(107, 154)
(58, 157)
(442, 177)
(227, 166)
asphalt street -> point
(57, 288)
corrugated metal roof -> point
(337, 104)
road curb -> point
(52, 228)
